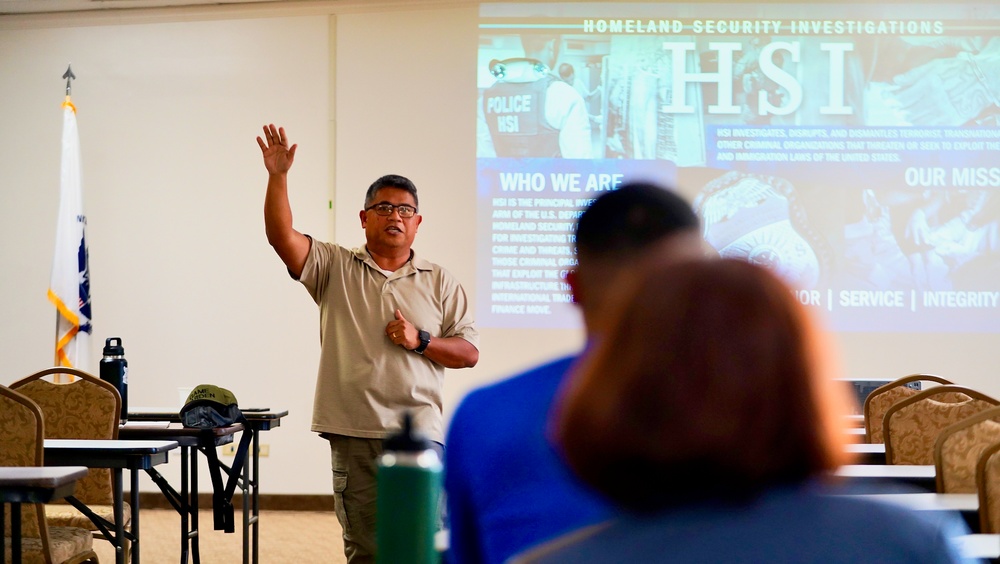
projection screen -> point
(853, 149)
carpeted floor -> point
(285, 537)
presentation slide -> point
(852, 149)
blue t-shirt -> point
(507, 488)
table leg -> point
(15, 532)
(195, 551)
(185, 506)
(246, 504)
(3, 538)
(247, 489)
(135, 516)
(255, 484)
(119, 495)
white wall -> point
(406, 103)
(169, 105)
(173, 189)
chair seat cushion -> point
(61, 515)
(65, 542)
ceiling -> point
(50, 6)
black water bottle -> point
(114, 370)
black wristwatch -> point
(425, 339)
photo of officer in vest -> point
(530, 111)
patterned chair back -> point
(883, 397)
(21, 445)
(911, 426)
(959, 447)
(86, 408)
(988, 484)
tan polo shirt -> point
(366, 382)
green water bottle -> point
(409, 492)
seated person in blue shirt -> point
(506, 488)
(709, 414)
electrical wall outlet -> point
(230, 450)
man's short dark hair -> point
(630, 219)
(391, 181)
(566, 71)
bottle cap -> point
(407, 439)
(113, 347)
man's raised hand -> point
(278, 156)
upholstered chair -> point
(84, 408)
(959, 447)
(21, 444)
(988, 485)
(911, 426)
(882, 398)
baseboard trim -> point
(270, 502)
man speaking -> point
(390, 323)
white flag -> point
(69, 289)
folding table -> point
(32, 484)
(117, 455)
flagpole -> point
(69, 76)
(55, 355)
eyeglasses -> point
(405, 210)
